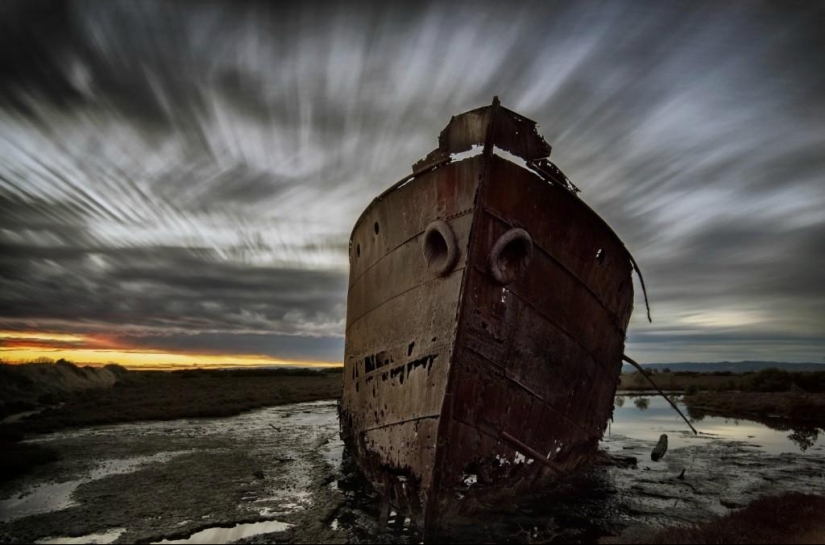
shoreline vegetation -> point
(42, 397)
(774, 395)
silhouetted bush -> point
(769, 380)
(692, 389)
(813, 382)
(728, 386)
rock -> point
(681, 476)
(660, 449)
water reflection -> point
(803, 436)
(641, 403)
(695, 415)
(228, 535)
(650, 416)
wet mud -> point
(280, 474)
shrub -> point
(813, 382)
(769, 380)
(639, 379)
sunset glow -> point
(21, 347)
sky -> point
(178, 181)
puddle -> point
(105, 537)
(41, 499)
(228, 535)
(50, 497)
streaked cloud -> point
(184, 177)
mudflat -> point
(280, 474)
(146, 395)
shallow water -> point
(20, 416)
(228, 535)
(98, 539)
(282, 468)
(647, 417)
(47, 497)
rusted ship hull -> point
(486, 320)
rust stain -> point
(486, 319)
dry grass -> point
(767, 380)
(790, 518)
(168, 396)
(678, 381)
(24, 386)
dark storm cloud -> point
(168, 289)
(185, 176)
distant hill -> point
(733, 366)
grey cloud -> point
(198, 167)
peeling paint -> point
(511, 371)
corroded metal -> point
(463, 387)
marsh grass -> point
(189, 394)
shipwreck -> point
(486, 319)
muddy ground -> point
(281, 469)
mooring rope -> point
(632, 362)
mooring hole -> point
(435, 249)
(439, 248)
(510, 255)
(376, 227)
(514, 258)
(358, 250)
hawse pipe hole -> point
(439, 247)
(510, 256)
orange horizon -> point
(27, 346)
